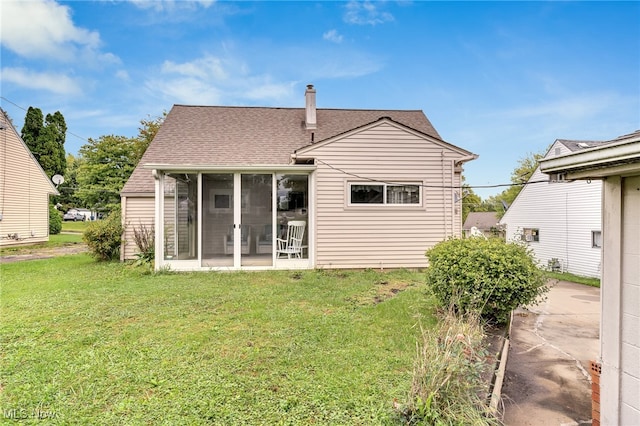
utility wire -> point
(500, 185)
(428, 186)
(24, 109)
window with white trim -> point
(384, 193)
(596, 239)
(531, 235)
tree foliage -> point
(67, 189)
(519, 176)
(107, 164)
(146, 133)
(45, 137)
(486, 276)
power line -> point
(428, 186)
(24, 109)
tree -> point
(33, 125)
(45, 139)
(67, 190)
(146, 133)
(471, 202)
(519, 176)
(107, 164)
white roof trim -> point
(596, 160)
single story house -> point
(484, 222)
(24, 190)
(617, 166)
(262, 188)
(559, 219)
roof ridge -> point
(296, 108)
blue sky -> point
(501, 79)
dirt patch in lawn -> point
(384, 290)
(33, 253)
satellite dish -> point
(57, 179)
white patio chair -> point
(292, 245)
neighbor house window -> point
(596, 239)
(366, 193)
(531, 234)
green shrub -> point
(104, 237)
(55, 220)
(487, 276)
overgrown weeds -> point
(448, 383)
(144, 238)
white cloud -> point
(171, 5)
(44, 29)
(208, 67)
(333, 36)
(366, 13)
(55, 83)
(573, 107)
(123, 75)
(212, 80)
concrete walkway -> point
(547, 379)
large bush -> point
(490, 277)
(104, 237)
(55, 220)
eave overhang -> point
(620, 158)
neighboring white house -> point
(24, 191)
(560, 219)
(617, 164)
(222, 187)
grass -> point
(565, 276)
(103, 343)
(57, 240)
(71, 226)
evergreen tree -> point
(45, 139)
(33, 125)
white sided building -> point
(560, 220)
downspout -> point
(444, 197)
(453, 202)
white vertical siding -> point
(24, 192)
(565, 213)
(630, 309)
(383, 235)
(137, 211)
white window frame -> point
(384, 194)
(529, 236)
(596, 242)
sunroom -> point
(226, 219)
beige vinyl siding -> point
(136, 211)
(359, 236)
(24, 193)
(565, 213)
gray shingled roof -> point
(578, 145)
(228, 136)
(481, 220)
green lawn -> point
(70, 226)
(58, 240)
(565, 276)
(103, 343)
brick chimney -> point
(310, 121)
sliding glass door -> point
(256, 219)
(218, 231)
